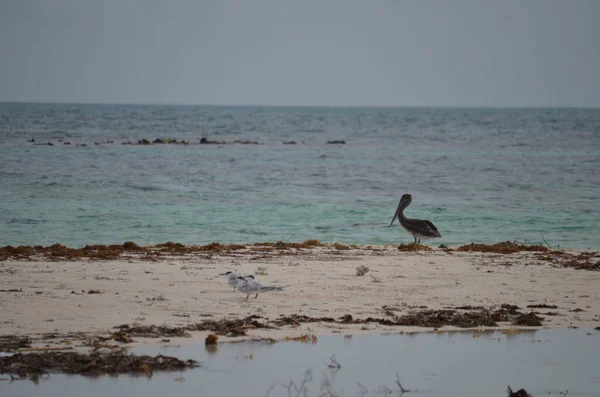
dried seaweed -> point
(13, 342)
(27, 365)
(431, 318)
(413, 247)
(505, 247)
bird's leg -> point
(256, 295)
(233, 289)
(419, 241)
(247, 296)
(415, 236)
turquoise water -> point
(545, 363)
(480, 175)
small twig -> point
(384, 390)
(333, 363)
(402, 390)
(375, 279)
(363, 390)
(543, 239)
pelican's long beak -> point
(396, 214)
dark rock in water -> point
(66, 143)
(518, 393)
(245, 142)
(144, 142)
(157, 140)
(338, 142)
(31, 140)
(530, 320)
(50, 144)
(205, 141)
(97, 143)
(289, 143)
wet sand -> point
(40, 296)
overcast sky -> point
(302, 52)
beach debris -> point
(505, 247)
(206, 141)
(27, 365)
(333, 363)
(95, 291)
(12, 290)
(343, 247)
(476, 317)
(261, 271)
(304, 338)
(237, 327)
(211, 339)
(542, 306)
(529, 319)
(336, 142)
(412, 247)
(375, 279)
(362, 270)
(518, 393)
(14, 342)
(179, 379)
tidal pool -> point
(477, 364)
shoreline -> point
(76, 301)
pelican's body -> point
(416, 227)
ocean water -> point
(480, 175)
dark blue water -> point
(481, 175)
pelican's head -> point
(404, 202)
(405, 199)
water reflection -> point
(480, 363)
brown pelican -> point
(417, 227)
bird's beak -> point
(395, 215)
(222, 274)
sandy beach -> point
(41, 296)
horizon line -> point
(304, 106)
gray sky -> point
(302, 52)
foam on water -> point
(480, 175)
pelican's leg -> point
(415, 236)
(233, 289)
(419, 241)
(256, 295)
(247, 296)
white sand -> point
(322, 283)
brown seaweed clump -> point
(308, 244)
(505, 247)
(518, 393)
(33, 365)
(413, 247)
(528, 319)
(588, 260)
(474, 317)
(211, 339)
(13, 342)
